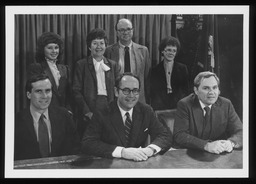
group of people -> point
(107, 108)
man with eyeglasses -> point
(122, 132)
(131, 57)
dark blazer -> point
(160, 100)
(85, 84)
(142, 66)
(189, 117)
(65, 139)
(106, 131)
(61, 96)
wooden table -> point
(173, 159)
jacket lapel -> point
(29, 123)
(107, 77)
(215, 115)
(92, 69)
(138, 60)
(117, 122)
(48, 72)
(198, 115)
(115, 51)
(136, 127)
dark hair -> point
(96, 34)
(45, 39)
(169, 41)
(120, 20)
(34, 78)
(119, 78)
(202, 75)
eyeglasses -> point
(124, 30)
(127, 91)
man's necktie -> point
(43, 137)
(128, 126)
(207, 125)
(127, 67)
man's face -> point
(124, 31)
(41, 94)
(51, 51)
(127, 102)
(208, 91)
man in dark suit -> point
(140, 63)
(119, 134)
(42, 130)
(221, 132)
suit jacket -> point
(85, 84)
(106, 131)
(61, 96)
(142, 66)
(189, 117)
(160, 100)
(65, 139)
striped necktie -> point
(128, 126)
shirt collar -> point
(203, 105)
(51, 61)
(36, 115)
(124, 112)
(95, 61)
(122, 46)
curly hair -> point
(96, 33)
(43, 40)
(169, 41)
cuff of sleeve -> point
(117, 152)
(155, 147)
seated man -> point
(123, 130)
(42, 130)
(216, 131)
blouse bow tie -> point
(103, 66)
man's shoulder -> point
(143, 107)
(139, 46)
(58, 111)
(113, 46)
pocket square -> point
(145, 129)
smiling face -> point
(97, 48)
(127, 102)
(170, 52)
(51, 51)
(208, 91)
(40, 95)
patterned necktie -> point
(128, 126)
(127, 67)
(43, 137)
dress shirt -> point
(168, 66)
(100, 68)
(36, 116)
(118, 151)
(55, 72)
(121, 57)
(203, 106)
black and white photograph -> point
(127, 91)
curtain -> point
(148, 31)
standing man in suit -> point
(123, 131)
(138, 61)
(205, 120)
(42, 130)
(169, 79)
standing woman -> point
(94, 79)
(49, 54)
(169, 79)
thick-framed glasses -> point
(127, 91)
(124, 30)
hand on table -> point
(216, 147)
(136, 154)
